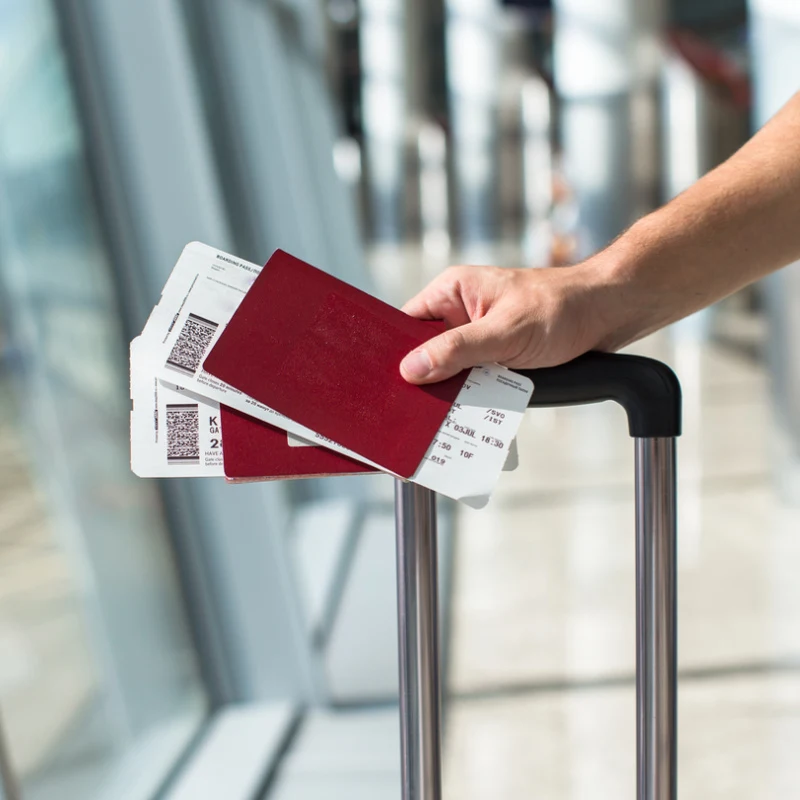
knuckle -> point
(447, 280)
(452, 274)
(450, 344)
(455, 339)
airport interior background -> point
(189, 640)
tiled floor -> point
(739, 740)
(541, 680)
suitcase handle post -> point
(650, 394)
(418, 641)
(656, 620)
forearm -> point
(734, 226)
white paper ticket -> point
(509, 465)
(199, 301)
(467, 456)
(174, 433)
(512, 460)
(193, 311)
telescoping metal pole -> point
(656, 619)
(650, 393)
(418, 617)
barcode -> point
(188, 352)
(183, 434)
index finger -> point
(439, 300)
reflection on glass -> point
(98, 683)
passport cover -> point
(256, 450)
(327, 355)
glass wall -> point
(99, 686)
(148, 630)
(272, 129)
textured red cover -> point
(253, 449)
(327, 355)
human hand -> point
(518, 317)
(733, 227)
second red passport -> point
(327, 355)
(255, 450)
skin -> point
(737, 224)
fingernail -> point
(417, 365)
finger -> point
(441, 299)
(447, 354)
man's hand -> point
(734, 226)
(516, 317)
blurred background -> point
(189, 640)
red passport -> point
(327, 355)
(255, 450)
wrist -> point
(631, 261)
(630, 286)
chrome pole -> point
(418, 633)
(656, 620)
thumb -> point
(450, 352)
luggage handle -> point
(648, 390)
(650, 394)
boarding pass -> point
(202, 295)
(174, 433)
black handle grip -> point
(648, 390)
